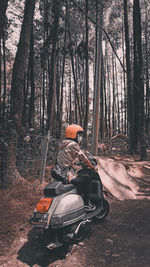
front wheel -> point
(104, 212)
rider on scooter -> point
(68, 151)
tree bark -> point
(31, 60)
(60, 94)
(147, 73)
(87, 79)
(52, 85)
(114, 98)
(0, 81)
(77, 102)
(130, 102)
(3, 8)
(139, 121)
(95, 128)
(4, 79)
(118, 99)
(109, 94)
(17, 97)
(102, 103)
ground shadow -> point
(35, 252)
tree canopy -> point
(75, 61)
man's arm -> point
(86, 161)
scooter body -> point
(61, 212)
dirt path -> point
(123, 239)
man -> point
(69, 150)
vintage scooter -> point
(61, 212)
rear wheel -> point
(104, 212)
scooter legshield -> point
(69, 209)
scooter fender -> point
(68, 210)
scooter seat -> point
(68, 187)
(57, 188)
(77, 181)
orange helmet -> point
(72, 131)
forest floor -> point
(123, 239)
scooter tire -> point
(103, 214)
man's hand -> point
(95, 169)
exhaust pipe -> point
(79, 225)
(56, 243)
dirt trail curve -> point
(125, 179)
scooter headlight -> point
(56, 221)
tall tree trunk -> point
(25, 97)
(124, 89)
(138, 83)
(147, 74)
(43, 102)
(52, 85)
(77, 102)
(114, 98)
(101, 130)
(61, 93)
(0, 80)
(71, 118)
(14, 128)
(87, 78)
(118, 99)
(95, 128)
(3, 8)
(4, 69)
(109, 94)
(105, 98)
(130, 103)
(58, 96)
(31, 60)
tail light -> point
(43, 205)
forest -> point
(84, 62)
(73, 61)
